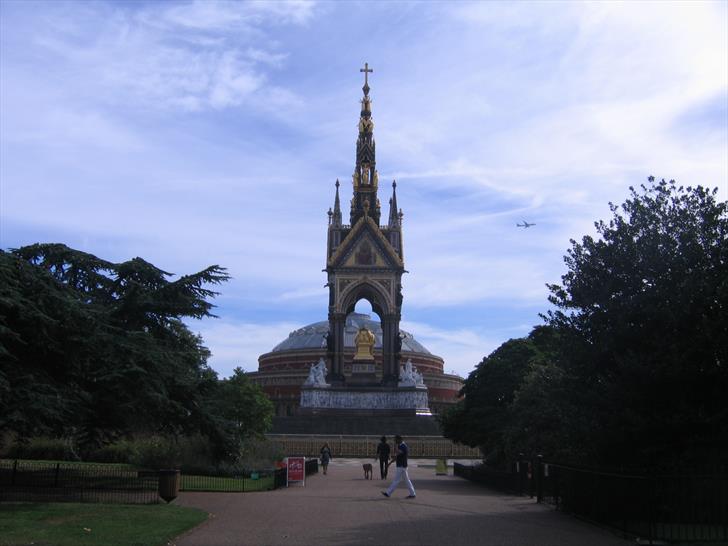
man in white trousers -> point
(401, 459)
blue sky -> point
(200, 133)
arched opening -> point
(357, 366)
(363, 307)
(370, 298)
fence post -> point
(652, 502)
(521, 468)
(15, 469)
(539, 478)
(55, 478)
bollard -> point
(522, 469)
(539, 478)
(168, 484)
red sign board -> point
(296, 469)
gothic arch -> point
(389, 314)
(374, 294)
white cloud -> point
(236, 344)
(463, 348)
(212, 132)
(192, 56)
(216, 15)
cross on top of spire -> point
(366, 71)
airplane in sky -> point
(525, 225)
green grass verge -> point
(72, 524)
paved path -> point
(342, 508)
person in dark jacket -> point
(325, 457)
(383, 451)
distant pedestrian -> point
(401, 460)
(325, 456)
(383, 451)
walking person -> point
(401, 460)
(383, 451)
(325, 456)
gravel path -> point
(342, 508)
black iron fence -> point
(38, 481)
(226, 483)
(47, 482)
(685, 508)
(280, 478)
(497, 479)
(420, 447)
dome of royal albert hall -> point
(283, 370)
(313, 336)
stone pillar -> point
(390, 332)
(337, 322)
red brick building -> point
(283, 370)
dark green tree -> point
(243, 406)
(96, 350)
(484, 416)
(643, 315)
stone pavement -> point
(342, 508)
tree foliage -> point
(97, 350)
(644, 310)
(483, 417)
(637, 368)
(242, 405)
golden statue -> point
(364, 342)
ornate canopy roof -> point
(312, 336)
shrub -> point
(156, 452)
(196, 455)
(260, 454)
(121, 451)
(43, 448)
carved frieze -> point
(415, 399)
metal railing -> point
(497, 479)
(49, 482)
(686, 507)
(256, 481)
(38, 481)
(421, 447)
(690, 507)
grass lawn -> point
(72, 524)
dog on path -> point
(367, 471)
